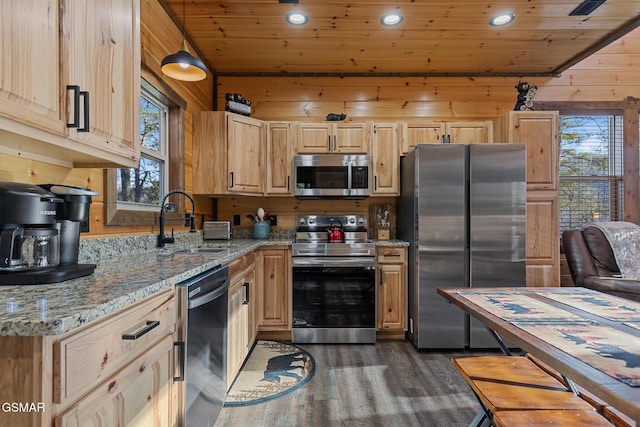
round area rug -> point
(272, 370)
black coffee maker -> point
(40, 232)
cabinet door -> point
(351, 138)
(274, 291)
(278, 164)
(237, 329)
(138, 395)
(328, 137)
(468, 132)
(101, 48)
(414, 133)
(30, 89)
(543, 239)
(391, 296)
(539, 131)
(244, 148)
(312, 138)
(386, 159)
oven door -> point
(334, 300)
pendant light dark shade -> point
(182, 65)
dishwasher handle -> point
(209, 296)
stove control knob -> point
(352, 220)
(311, 220)
(360, 220)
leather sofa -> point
(593, 265)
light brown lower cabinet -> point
(391, 289)
(241, 329)
(273, 268)
(115, 371)
(138, 395)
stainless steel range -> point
(333, 280)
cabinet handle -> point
(151, 324)
(334, 143)
(85, 96)
(182, 352)
(375, 182)
(246, 293)
(231, 186)
(288, 182)
(386, 255)
(381, 281)
(329, 143)
(76, 106)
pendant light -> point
(182, 65)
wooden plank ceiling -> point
(437, 37)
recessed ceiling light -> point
(297, 18)
(391, 19)
(502, 19)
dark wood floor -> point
(386, 384)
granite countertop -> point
(53, 309)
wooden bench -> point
(617, 418)
(550, 417)
(517, 384)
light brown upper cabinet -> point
(386, 160)
(101, 40)
(434, 132)
(539, 131)
(227, 154)
(332, 137)
(279, 145)
(83, 69)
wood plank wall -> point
(609, 75)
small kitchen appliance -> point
(217, 230)
(40, 233)
(332, 175)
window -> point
(591, 169)
(133, 195)
(144, 186)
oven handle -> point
(367, 262)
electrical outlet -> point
(236, 220)
(274, 220)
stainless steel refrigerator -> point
(462, 208)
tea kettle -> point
(336, 234)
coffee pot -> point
(29, 239)
(40, 232)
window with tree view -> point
(590, 169)
(146, 184)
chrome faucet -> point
(189, 220)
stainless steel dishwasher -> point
(202, 338)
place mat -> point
(272, 370)
(609, 350)
(512, 307)
(602, 305)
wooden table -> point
(590, 337)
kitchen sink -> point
(193, 251)
(201, 250)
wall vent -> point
(586, 7)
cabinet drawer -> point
(91, 355)
(238, 266)
(391, 255)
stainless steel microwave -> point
(332, 175)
